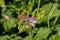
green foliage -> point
(45, 12)
(42, 34)
(12, 24)
(6, 37)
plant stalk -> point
(48, 24)
(38, 6)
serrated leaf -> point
(54, 7)
(42, 34)
(47, 7)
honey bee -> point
(21, 16)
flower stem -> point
(48, 23)
(38, 6)
(31, 38)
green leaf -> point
(42, 34)
(26, 38)
(47, 7)
(9, 24)
(51, 10)
(55, 37)
(30, 5)
(54, 7)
